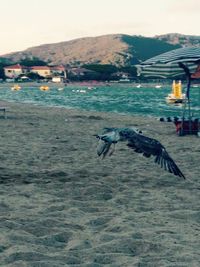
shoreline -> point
(61, 205)
(39, 105)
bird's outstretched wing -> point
(151, 147)
(140, 144)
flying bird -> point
(139, 143)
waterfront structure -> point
(15, 71)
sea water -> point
(119, 98)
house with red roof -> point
(60, 69)
(48, 71)
(58, 73)
(43, 71)
(14, 71)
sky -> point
(28, 23)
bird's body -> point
(140, 144)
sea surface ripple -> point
(119, 98)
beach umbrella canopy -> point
(172, 64)
(196, 75)
(168, 64)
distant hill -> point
(115, 49)
(180, 39)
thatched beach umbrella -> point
(171, 65)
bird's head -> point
(136, 130)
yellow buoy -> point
(177, 89)
(16, 87)
(44, 88)
(176, 96)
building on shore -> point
(17, 70)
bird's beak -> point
(97, 136)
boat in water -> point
(91, 87)
(176, 96)
(158, 86)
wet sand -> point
(61, 205)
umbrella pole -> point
(188, 75)
(189, 107)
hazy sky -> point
(27, 23)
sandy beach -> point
(61, 205)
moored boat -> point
(158, 86)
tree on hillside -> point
(5, 61)
(104, 70)
(32, 62)
(142, 48)
(2, 74)
(130, 69)
(34, 76)
(101, 68)
(107, 72)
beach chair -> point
(184, 126)
(188, 126)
